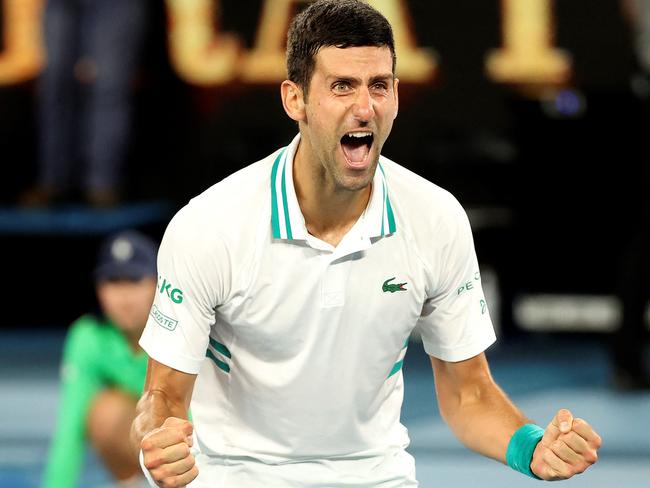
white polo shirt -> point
(298, 345)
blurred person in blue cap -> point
(103, 367)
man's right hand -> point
(166, 453)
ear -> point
(293, 100)
(395, 85)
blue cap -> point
(128, 255)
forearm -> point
(167, 393)
(152, 409)
(475, 408)
(482, 418)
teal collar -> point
(287, 221)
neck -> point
(329, 211)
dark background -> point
(566, 184)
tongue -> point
(356, 152)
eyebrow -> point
(353, 80)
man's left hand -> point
(569, 447)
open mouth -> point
(356, 147)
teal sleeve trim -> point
(521, 448)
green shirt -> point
(96, 355)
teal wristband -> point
(521, 448)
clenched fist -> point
(569, 447)
(166, 453)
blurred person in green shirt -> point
(103, 368)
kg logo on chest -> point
(166, 288)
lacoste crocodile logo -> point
(392, 287)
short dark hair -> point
(339, 23)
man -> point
(291, 288)
(103, 368)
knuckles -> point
(591, 457)
(152, 461)
(166, 479)
(557, 445)
(547, 456)
(569, 437)
(185, 451)
(193, 473)
(147, 444)
(155, 459)
(598, 441)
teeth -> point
(359, 134)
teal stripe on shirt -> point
(220, 347)
(398, 365)
(223, 366)
(284, 202)
(275, 220)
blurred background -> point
(534, 113)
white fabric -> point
(145, 471)
(305, 343)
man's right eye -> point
(340, 86)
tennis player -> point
(288, 292)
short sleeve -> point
(193, 278)
(455, 322)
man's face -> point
(349, 113)
(127, 303)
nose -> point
(363, 109)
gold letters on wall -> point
(22, 57)
(414, 64)
(200, 54)
(528, 56)
(203, 55)
(265, 63)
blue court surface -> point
(541, 375)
